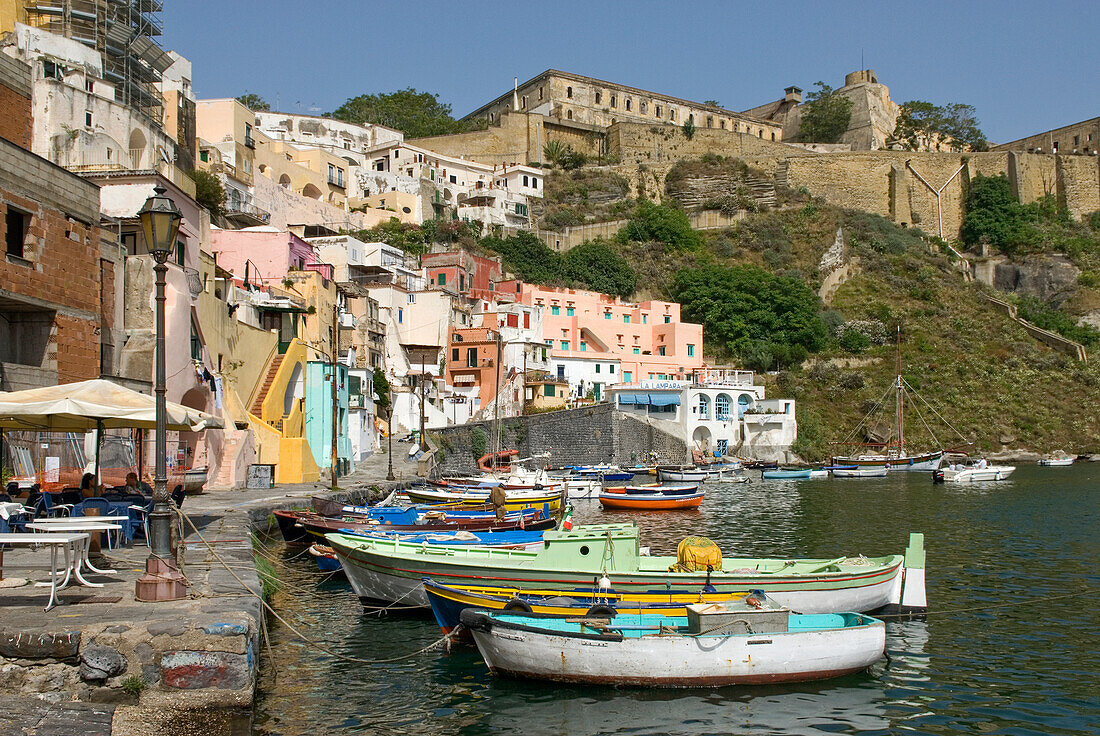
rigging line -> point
(867, 417)
(938, 415)
(916, 408)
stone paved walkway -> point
(197, 657)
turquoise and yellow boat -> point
(449, 601)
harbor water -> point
(1009, 645)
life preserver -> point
(517, 604)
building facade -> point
(1081, 138)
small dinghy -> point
(859, 471)
(656, 488)
(1057, 459)
(748, 642)
(682, 475)
(650, 501)
(787, 474)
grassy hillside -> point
(978, 369)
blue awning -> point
(664, 399)
(628, 398)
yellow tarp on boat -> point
(697, 554)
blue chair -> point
(17, 520)
(103, 506)
(49, 506)
(138, 511)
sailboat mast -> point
(901, 403)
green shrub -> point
(854, 341)
(133, 685)
(479, 441)
(596, 266)
(1042, 315)
(664, 224)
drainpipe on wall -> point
(937, 192)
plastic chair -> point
(49, 506)
(104, 507)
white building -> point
(719, 412)
(587, 377)
(350, 141)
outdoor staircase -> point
(258, 401)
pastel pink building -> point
(269, 254)
(597, 340)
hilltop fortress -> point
(644, 140)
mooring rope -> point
(312, 642)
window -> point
(454, 355)
(548, 389)
(721, 447)
(773, 135)
(569, 114)
(657, 111)
(626, 318)
(410, 298)
(89, 85)
(627, 376)
(613, 100)
(534, 182)
(599, 98)
(88, 118)
(661, 350)
(568, 92)
(339, 177)
(672, 114)
(569, 311)
(637, 351)
(642, 108)
(722, 407)
(179, 252)
(549, 342)
(628, 104)
(471, 357)
(564, 344)
(524, 105)
(15, 231)
(607, 315)
(462, 282)
(597, 367)
(442, 280)
(710, 121)
(331, 174)
(584, 349)
(645, 319)
(248, 142)
(50, 70)
(668, 318)
(526, 180)
(400, 315)
(704, 407)
(204, 156)
(521, 209)
(722, 124)
(555, 310)
(691, 350)
(454, 179)
(610, 367)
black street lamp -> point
(160, 221)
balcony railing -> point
(247, 211)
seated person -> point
(88, 487)
(133, 485)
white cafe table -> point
(56, 522)
(79, 524)
(74, 545)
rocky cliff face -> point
(1051, 278)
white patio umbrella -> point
(97, 404)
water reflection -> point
(1007, 670)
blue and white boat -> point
(788, 474)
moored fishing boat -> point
(547, 500)
(655, 488)
(1057, 459)
(448, 601)
(681, 475)
(819, 474)
(458, 538)
(715, 645)
(787, 474)
(652, 501)
(859, 471)
(979, 472)
(387, 570)
(299, 527)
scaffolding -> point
(124, 32)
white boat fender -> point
(604, 582)
(644, 551)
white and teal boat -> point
(391, 571)
(714, 645)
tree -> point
(554, 151)
(416, 114)
(527, 256)
(381, 393)
(595, 265)
(254, 102)
(712, 103)
(689, 129)
(922, 124)
(668, 225)
(769, 321)
(825, 115)
(209, 192)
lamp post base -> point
(161, 582)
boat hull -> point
(786, 474)
(665, 475)
(392, 572)
(651, 501)
(1057, 462)
(548, 501)
(978, 475)
(864, 471)
(524, 650)
(925, 462)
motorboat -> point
(974, 472)
(859, 471)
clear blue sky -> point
(1025, 66)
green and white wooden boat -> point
(609, 555)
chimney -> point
(792, 94)
(515, 93)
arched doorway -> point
(700, 438)
(137, 149)
(309, 190)
(194, 450)
(284, 181)
(744, 403)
